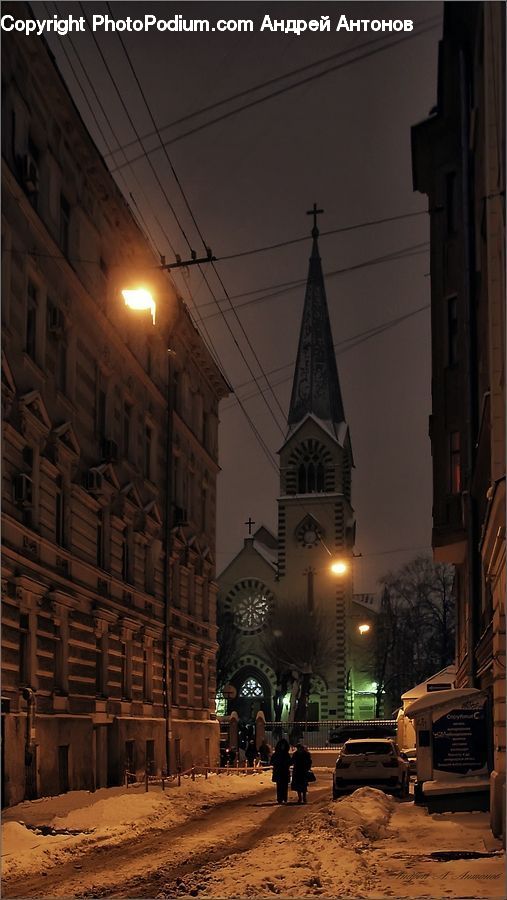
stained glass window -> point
(250, 603)
(251, 688)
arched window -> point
(251, 688)
(310, 469)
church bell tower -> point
(316, 522)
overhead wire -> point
(257, 87)
(205, 243)
(307, 80)
(164, 193)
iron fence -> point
(330, 734)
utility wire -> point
(341, 230)
(205, 243)
(341, 346)
(284, 287)
(307, 80)
(164, 193)
(257, 87)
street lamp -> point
(363, 629)
(140, 299)
(339, 567)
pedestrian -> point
(301, 765)
(241, 756)
(251, 754)
(281, 765)
(264, 753)
(232, 756)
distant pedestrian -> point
(251, 754)
(264, 753)
(281, 765)
(301, 765)
(241, 756)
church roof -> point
(316, 386)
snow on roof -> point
(270, 556)
(445, 676)
(440, 698)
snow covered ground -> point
(365, 845)
(108, 817)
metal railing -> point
(330, 734)
(136, 779)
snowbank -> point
(365, 813)
(108, 817)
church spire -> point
(316, 387)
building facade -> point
(275, 581)
(109, 468)
(459, 162)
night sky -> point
(342, 140)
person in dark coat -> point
(264, 753)
(301, 765)
(251, 754)
(281, 765)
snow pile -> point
(320, 854)
(108, 817)
(365, 813)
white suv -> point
(376, 762)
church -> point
(297, 634)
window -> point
(126, 563)
(100, 407)
(204, 508)
(60, 513)
(31, 321)
(100, 539)
(454, 463)
(24, 649)
(124, 670)
(64, 225)
(148, 449)
(250, 603)
(127, 424)
(251, 688)
(451, 202)
(147, 675)
(452, 331)
(61, 366)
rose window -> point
(250, 602)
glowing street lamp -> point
(339, 567)
(140, 299)
(363, 629)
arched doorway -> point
(253, 694)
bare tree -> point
(297, 646)
(227, 639)
(415, 627)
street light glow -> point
(363, 628)
(139, 299)
(339, 567)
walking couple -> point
(301, 763)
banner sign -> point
(460, 739)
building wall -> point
(87, 477)
(458, 160)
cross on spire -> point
(250, 523)
(314, 212)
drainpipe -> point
(167, 553)
(471, 369)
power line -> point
(284, 287)
(205, 243)
(164, 193)
(341, 230)
(307, 80)
(340, 346)
(258, 87)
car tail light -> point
(342, 765)
(391, 764)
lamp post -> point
(141, 299)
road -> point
(160, 860)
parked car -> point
(411, 755)
(376, 762)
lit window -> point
(454, 463)
(250, 602)
(251, 688)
